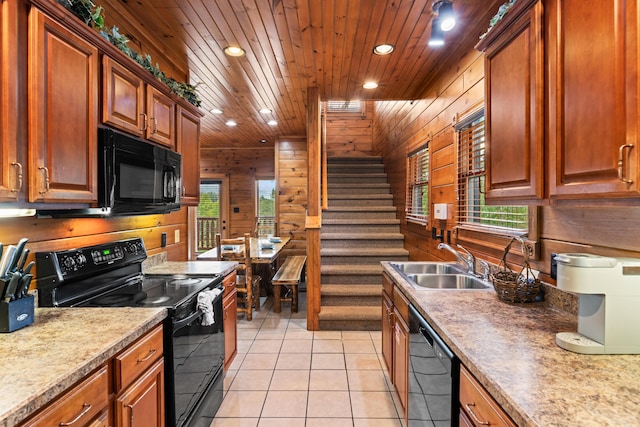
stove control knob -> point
(69, 263)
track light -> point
(446, 16)
(437, 35)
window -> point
(344, 106)
(208, 214)
(471, 183)
(417, 209)
(265, 207)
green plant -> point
(92, 16)
(498, 16)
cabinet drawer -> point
(401, 303)
(137, 358)
(86, 402)
(229, 283)
(478, 405)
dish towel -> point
(205, 305)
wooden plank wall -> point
(350, 134)
(400, 127)
(47, 234)
(242, 167)
(291, 186)
(403, 126)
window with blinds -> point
(471, 182)
(417, 209)
(344, 106)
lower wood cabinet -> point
(395, 339)
(230, 321)
(477, 407)
(128, 390)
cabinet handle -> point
(621, 163)
(473, 415)
(46, 179)
(145, 121)
(184, 191)
(149, 356)
(155, 126)
(19, 176)
(86, 408)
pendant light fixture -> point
(437, 35)
(444, 20)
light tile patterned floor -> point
(286, 376)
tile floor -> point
(286, 376)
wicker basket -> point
(515, 287)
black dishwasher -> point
(434, 376)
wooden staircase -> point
(359, 229)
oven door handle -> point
(179, 324)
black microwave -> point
(135, 177)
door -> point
(122, 98)
(142, 404)
(63, 116)
(162, 118)
(209, 222)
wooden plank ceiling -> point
(294, 44)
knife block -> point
(16, 314)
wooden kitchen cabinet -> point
(86, 404)
(477, 407)
(142, 403)
(514, 108)
(63, 113)
(188, 145)
(230, 321)
(11, 168)
(131, 105)
(395, 339)
(592, 55)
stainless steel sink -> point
(447, 281)
(428, 268)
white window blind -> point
(344, 106)
(472, 209)
(417, 208)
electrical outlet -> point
(176, 236)
(554, 267)
(163, 239)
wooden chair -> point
(247, 283)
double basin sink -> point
(439, 275)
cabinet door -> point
(11, 178)
(514, 85)
(142, 404)
(188, 144)
(593, 98)
(162, 118)
(230, 311)
(63, 115)
(122, 98)
(387, 333)
(401, 360)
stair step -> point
(361, 209)
(358, 188)
(358, 221)
(345, 290)
(364, 252)
(353, 160)
(338, 318)
(369, 196)
(351, 270)
(361, 236)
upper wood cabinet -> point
(188, 144)
(63, 113)
(131, 105)
(593, 98)
(514, 111)
(11, 169)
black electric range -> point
(110, 275)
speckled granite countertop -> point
(511, 350)
(62, 345)
(196, 268)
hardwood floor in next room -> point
(286, 376)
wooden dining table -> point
(264, 257)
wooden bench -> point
(288, 275)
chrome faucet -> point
(467, 259)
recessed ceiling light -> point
(383, 49)
(370, 85)
(272, 123)
(215, 111)
(231, 123)
(263, 141)
(265, 111)
(234, 51)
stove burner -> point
(185, 281)
(117, 299)
(158, 300)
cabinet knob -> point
(19, 176)
(621, 163)
(46, 179)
